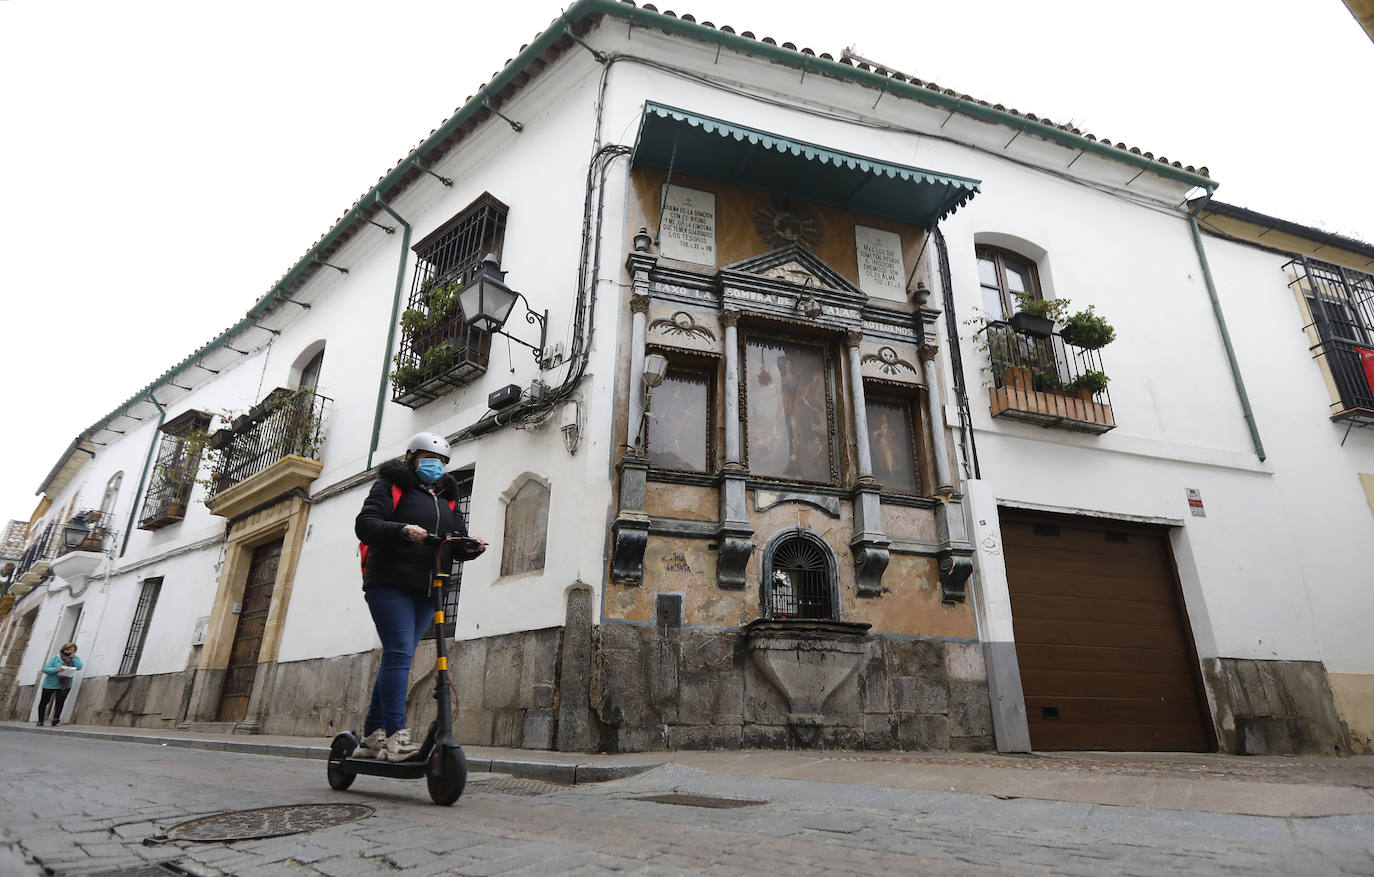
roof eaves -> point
(1316, 235)
(894, 83)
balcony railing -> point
(42, 549)
(1341, 301)
(287, 422)
(1047, 381)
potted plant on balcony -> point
(1036, 316)
(1088, 330)
(406, 377)
(1089, 384)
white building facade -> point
(762, 479)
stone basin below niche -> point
(806, 660)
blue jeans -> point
(402, 619)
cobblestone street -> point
(76, 806)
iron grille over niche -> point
(799, 584)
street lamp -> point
(76, 532)
(655, 367)
(486, 302)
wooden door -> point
(1106, 657)
(243, 657)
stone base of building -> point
(694, 688)
(650, 688)
(1276, 708)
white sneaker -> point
(398, 747)
(371, 746)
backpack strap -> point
(362, 546)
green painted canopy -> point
(701, 146)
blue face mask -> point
(430, 470)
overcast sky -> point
(162, 164)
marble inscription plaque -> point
(688, 233)
(882, 273)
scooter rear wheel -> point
(342, 747)
(448, 774)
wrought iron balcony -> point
(1341, 303)
(1046, 381)
(287, 422)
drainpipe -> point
(1221, 327)
(391, 331)
(143, 479)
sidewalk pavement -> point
(1199, 782)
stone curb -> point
(565, 772)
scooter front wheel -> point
(447, 775)
(341, 748)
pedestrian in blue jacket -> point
(57, 681)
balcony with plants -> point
(439, 351)
(1046, 366)
(268, 450)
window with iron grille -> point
(1340, 303)
(138, 631)
(455, 580)
(799, 578)
(438, 351)
(174, 473)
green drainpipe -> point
(1225, 335)
(391, 331)
(143, 479)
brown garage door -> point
(1106, 658)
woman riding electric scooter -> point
(412, 502)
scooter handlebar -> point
(464, 547)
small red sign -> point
(1195, 503)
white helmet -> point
(428, 441)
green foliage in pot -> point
(443, 304)
(413, 320)
(1088, 330)
(406, 376)
(438, 358)
(1049, 308)
(1092, 379)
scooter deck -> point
(416, 767)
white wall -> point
(1316, 463)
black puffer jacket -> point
(393, 561)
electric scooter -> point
(440, 759)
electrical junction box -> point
(504, 397)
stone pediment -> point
(795, 265)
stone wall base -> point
(651, 688)
(674, 688)
(1276, 708)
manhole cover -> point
(701, 801)
(264, 822)
(515, 786)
